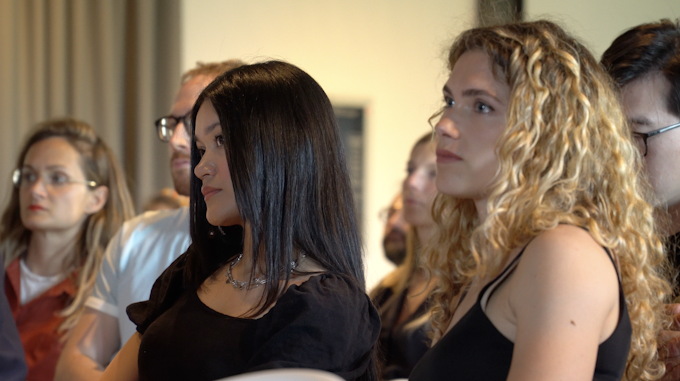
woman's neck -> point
(480, 205)
(424, 233)
(242, 270)
(47, 251)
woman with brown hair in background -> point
(69, 198)
(403, 295)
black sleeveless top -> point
(475, 350)
(400, 345)
(327, 323)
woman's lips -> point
(35, 208)
(208, 192)
(444, 156)
(412, 201)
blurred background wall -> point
(386, 56)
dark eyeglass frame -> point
(648, 135)
(165, 126)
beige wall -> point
(598, 22)
(381, 54)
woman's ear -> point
(98, 198)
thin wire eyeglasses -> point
(644, 136)
(53, 179)
(165, 126)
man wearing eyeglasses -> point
(141, 250)
(645, 64)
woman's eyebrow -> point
(478, 92)
(210, 128)
(472, 93)
(640, 121)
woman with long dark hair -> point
(274, 276)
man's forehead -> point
(645, 92)
(188, 93)
(653, 85)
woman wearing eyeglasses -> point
(69, 198)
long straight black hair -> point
(289, 174)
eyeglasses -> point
(166, 125)
(24, 177)
(641, 138)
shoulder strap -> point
(614, 262)
(493, 285)
(488, 290)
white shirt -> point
(135, 257)
(32, 285)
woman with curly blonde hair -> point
(548, 259)
(68, 200)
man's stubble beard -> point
(181, 178)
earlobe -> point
(98, 198)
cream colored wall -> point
(598, 22)
(385, 55)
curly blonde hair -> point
(566, 156)
(99, 165)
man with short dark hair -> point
(645, 64)
(394, 235)
(141, 250)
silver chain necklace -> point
(258, 281)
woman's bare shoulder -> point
(565, 265)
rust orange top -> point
(38, 321)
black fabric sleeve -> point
(165, 291)
(326, 323)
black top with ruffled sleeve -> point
(325, 323)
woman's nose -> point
(446, 127)
(413, 181)
(38, 187)
(204, 168)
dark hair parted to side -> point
(289, 174)
(645, 49)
